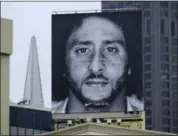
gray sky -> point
(34, 18)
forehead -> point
(97, 26)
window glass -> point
(147, 49)
(173, 29)
(165, 103)
(147, 40)
(147, 67)
(165, 67)
(147, 84)
(165, 94)
(162, 27)
(164, 4)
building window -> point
(174, 68)
(148, 103)
(174, 14)
(162, 27)
(173, 28)
(165, 112)
(165, 94)
(174, 41)
(147, 49)
(174, 5)
(165, 103)
(174, 104)
(146, 13)
(148, 112)
(175, 122)
(146, 5)
(129, 4)
(164, 4)
(163, 13)
(174, 113)
(121, 4)
(149, 121)
(164, 49)
(148, 27)
(164, 40)
(174, 77)
(165, 76)
(165, 121)
(165, 58)
(147, 84)
(147, 58)
(174, 50)
(147, 67)
(109, 5)
(165, 67)
(148, 94)
(147, 40)
(147, 76)
(174, 59)
(174, 85)
(166, 129)
(165, 85)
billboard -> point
(97, 62)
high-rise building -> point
(160, 66)
(33, 90)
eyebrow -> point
(113, 42)
(77, 42)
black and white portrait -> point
(97, 62)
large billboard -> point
(97, 62)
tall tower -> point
(33, 90)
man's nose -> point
(96, 65)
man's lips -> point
(96, 82)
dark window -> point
(148, 112)
(174, 113)
(164, 4)
(174, 95)
(174, 59)
(164, 58)
(147, 84)
(120, 4)
(148, 27)
(174, 5)
(165, 85)
(147, 49)
(174, 104)
(147, 40)
(146, 13)
(166, 129)
(164, 49)
(163, 13)
(147, 76)
(175, 122)
(174, 41)
(174, 77)
(164, 40)
(165, 76)
(148, 127)
(174, 50)
(165, 94)
(109, 5)
(147, 67)
(148, 94)
(129, 4)
(148, 103)
(165, 103)
(148, 121)
(174, 68)
(147, 58)
(174, 85)
(173, 28)
(165, 67)
(165, 121)
(174, 14)
(162, 27)
(146, 5)
(165, 112)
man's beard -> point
(93, 103)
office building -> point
(28, 120)
(159, 38)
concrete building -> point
(5, 52)
(102, 129)
(159, 37)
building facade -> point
(5, 52)
(28, 120)
(160, 43)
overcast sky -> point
(34, 18)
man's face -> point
(96, 59)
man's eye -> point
(82, 51)
(111, 50)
